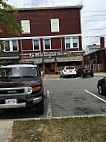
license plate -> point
(11, 101)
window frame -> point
(39, 45)
(29, 27)
(71, 42)
(11, 46)
(52, 25)
(44, 43)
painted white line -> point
(49, 108)
(95, 96)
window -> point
(36, 45)
(7, 46)
(54, 25)
(25, 24)
(71, 42)
(47, 44)
(15, 45)
(67, 43)
(75, 42)
(11, 46)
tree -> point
(8, 19)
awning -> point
(35, 60)
(49, 60)
(68, 59)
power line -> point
(94, 29)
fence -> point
(96, 67)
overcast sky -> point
(93, 15)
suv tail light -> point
(83, 70)
(64, 70)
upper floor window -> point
(11, 46)
(15, 45)
(36, 45)
(7, 46)
(47, 44)
(25, 24)
(54, 25)
(68, 43)
(75, 42)
(71, 42)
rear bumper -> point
(20, 105)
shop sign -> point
(48, 54)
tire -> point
(82, 75)
(92, 75)
(40, 107)
(100, 90)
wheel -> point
(40, 107)
(92, 75)
(82, 75)
(100, 90)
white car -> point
(68, 71)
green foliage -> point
(8, 18)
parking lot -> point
(74, 96)
(65, 97)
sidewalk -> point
(5, 130)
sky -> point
(93, 16)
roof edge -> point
(47, 8)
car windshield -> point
(18, 72)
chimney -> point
(102, 42)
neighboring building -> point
(51, 38)
(97, 59)
(91, 48)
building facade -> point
(91, 48)
(51, 38)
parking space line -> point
(95, 96)
(49, 108)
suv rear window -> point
(69, 67)
(18, 72)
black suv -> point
(101, 86)
(85, 71)
(21, 86)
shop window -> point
(36, 45)
(47, 44)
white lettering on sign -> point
(48, 54)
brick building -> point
(51, 38)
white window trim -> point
(29, 28)
(11, 46)
(39, 45)
(58, 26)
(65, 43)
(71, 43)
(77, 43)
(44, 44)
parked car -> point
(87, 71)
(101, 86)
(68, 71)
(21, 86)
